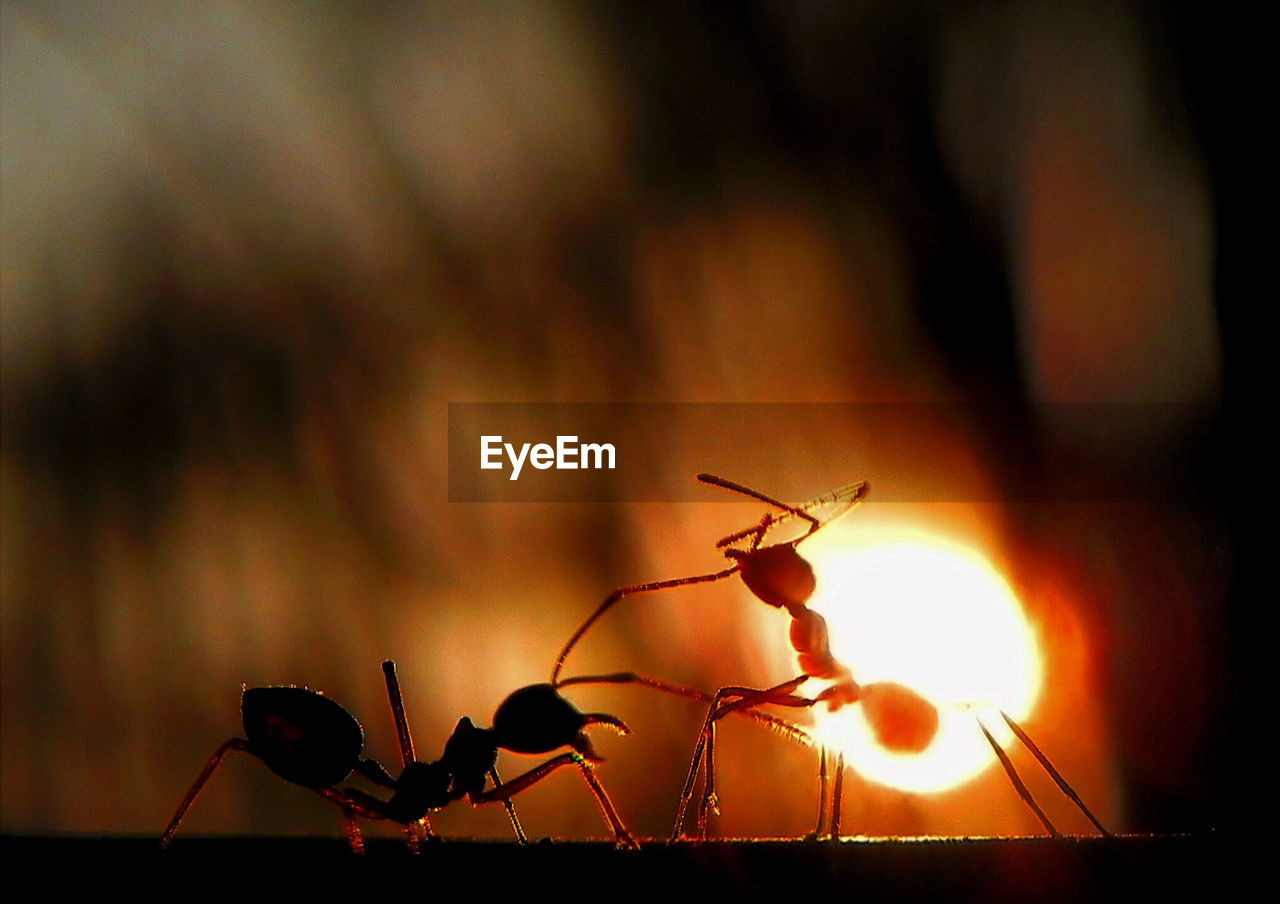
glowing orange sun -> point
(913, 608)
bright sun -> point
(937, 617)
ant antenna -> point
(782, 726)
(847, 496)
(715, 481)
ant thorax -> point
(468, 756)
(421, 788)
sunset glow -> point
(934, 616)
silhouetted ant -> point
(779, 576)
(311, 741)
(902, 720)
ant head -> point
(778, 575)
(422, 787)
(537, 719)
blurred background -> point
(250, 252)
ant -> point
(311, 741)
(901, 719)
(780, 577)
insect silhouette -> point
(311, 741)
(779, 576)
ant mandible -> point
(311, 741)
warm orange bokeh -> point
(249, 254)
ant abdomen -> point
(302, 736)
(902, 720)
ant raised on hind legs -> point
(311, 741)
(779, 576)
(901, 719)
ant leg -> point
(358, 802)
(1017, 782)
(355, 802)
(710, 800)
(510, 789)
(397, 712)
(837, 796)
(782, 726)
(419, 830)
(705, 740)
(686, 794)
(606, 807)
(1057, 776)
(354, 838)
(748, 697)
(780, 696)
(621, 592)
(205, 774)
(822, 794)
(787, 729)
(511, 810)
(538, 773)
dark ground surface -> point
(1019, 869)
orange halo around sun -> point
(935, 616)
